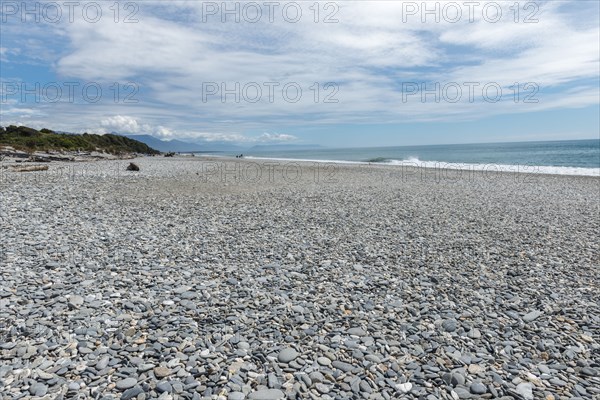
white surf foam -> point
(527, 169)
(415, 162)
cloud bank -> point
(192, 73)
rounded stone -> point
(322, 388)
(457, 379)
(478, 388)
(163, 387)
(38, 389)
(404, 387)
(525, 389)
(132, 393)
(324, 361)
(589, 371)
(126, 383)
(356, 331)
(462, 393)
(243, 345)
(267, 394)
(161, 372)
(449, 325)
(286, 355)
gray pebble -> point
(131, 393)
(324, 361)
(322, 388)
(38, 389)
(126, 383)
(266, 394)
(589, 371)
(525, 389)
(478, 388)
(162, 387)
(529, 317)
(356, 332)
(341, 365)
(286, 355)
(449, 325)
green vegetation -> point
(28, 139)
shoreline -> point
(211, 168)
(10, 156)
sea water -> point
(568, 157)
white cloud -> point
(163, 132)
(121, 124)
(5, 52)
(124, 124)
(276, 137)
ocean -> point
(567, 157)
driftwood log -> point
(31, 168)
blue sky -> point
(361, 73)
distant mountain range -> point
(163, 145)
(180, 146)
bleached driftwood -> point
(31, 168)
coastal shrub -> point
(28, 139)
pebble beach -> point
(216, 278)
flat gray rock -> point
(126, 383)
(533, 315)
(267, 394)
(356, 332)
(161, 372)
(463, 393)
(286, 355)
(525, 389)
(324, 361)
(404, 387)
(450, 325)
(478, 388)
(589, 371)
(76, 300)
(132, 393)
(343, 366)
(38, 389)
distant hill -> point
(180, 146)
(163, 145)
(29, 139)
